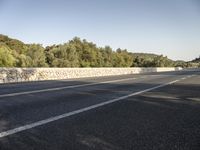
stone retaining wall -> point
(8, 75)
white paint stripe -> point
(191, 75)
(51, 119)
(62, 88)
(186, 77)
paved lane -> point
(135, 122)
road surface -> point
(142, 112)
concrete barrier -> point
(8, 75)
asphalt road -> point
(142, 112)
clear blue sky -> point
(169, 27)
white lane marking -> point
(189, 76)
(51, 119)
(62, 88)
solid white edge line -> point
(62, 88)
(51, 119)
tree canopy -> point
(76, 53)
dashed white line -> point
(51, 119)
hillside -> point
(13, 44)
(196, 60)
(75, 53)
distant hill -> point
(196, 60)
(13, 44)
(145, 55)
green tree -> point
(6, 57)
(36, 56)
(107, 56)
(161, 61)
(24, 61)
(63, 56)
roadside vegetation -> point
(78, 53)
